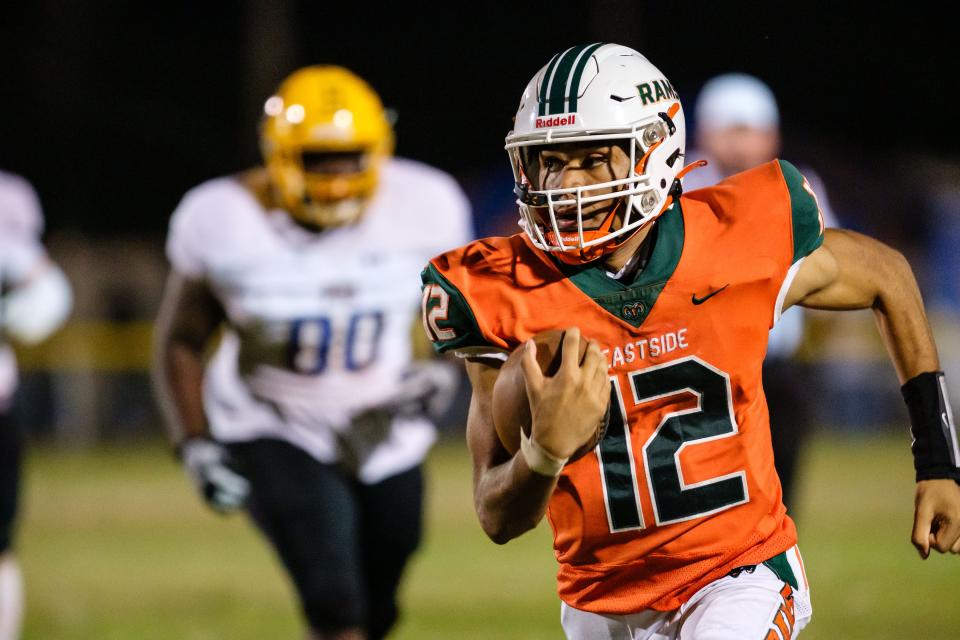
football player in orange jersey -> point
(674, 525)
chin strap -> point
(642, 164)
(589, 254)
(607, 223)
(676, 189)
(693, 166)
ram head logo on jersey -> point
(633, 310)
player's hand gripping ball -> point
(511, 407)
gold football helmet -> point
(324, 136)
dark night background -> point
(113, 109)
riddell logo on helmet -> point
(556, 121)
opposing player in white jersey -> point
(35, 299)
(312, 412)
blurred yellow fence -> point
(92, 345)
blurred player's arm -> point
(429, 385)
(190, 316)
(852, 271)
(35, 295)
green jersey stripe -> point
(780, 566)
(574, 89)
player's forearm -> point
(902, 321)
(187, 320)
(510, 499)
(178, 380)
(853, 271)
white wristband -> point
(539, 459)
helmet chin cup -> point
(594, 252)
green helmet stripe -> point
(558, 87)
(542, 107)
(578, 74)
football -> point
(511, 408)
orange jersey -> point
(682, 488)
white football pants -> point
(11, 597)
(753, 605)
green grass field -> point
(114, 546)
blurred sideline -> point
(89, 382)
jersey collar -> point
(631, 301)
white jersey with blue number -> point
(320, 324)
(21, 223)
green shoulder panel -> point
(805, 212)
(447, 317)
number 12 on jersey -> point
(673, 499)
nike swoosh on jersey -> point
(695, 300)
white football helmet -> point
(597, 92)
